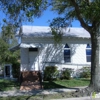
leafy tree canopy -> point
(7, 40)
(5, 55)
(8, 32)
(22, 10)
(86, 11)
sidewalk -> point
(79, 98)
(48, 91)
(37, 92)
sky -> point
(43, 20)
(46, 16)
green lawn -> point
(8, 85)
(66, 83)
(40, 97)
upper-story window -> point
(88, 53)
(67, 57)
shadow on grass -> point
(8, 84)
(85, 79)
(51, 85)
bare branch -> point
(80, 18)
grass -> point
(8, 85)
(11, 85)
(66, 83)
(43, 96)
(39, 97)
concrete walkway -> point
(79, 98)
(37, 92)
(34, 92)
(48, 91)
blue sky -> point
(48, 15)
(43, 20)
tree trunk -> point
(95, 61)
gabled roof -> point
(42, 31)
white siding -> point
(33, 61)
(49, 54)
(24, 59)
(29, 60)
(78, 54)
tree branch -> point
(83, 24)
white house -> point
(38, 48)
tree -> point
(7, 32)
(88, 13)
(17, 11)
(22, 10)
(7, 40)
(3, 49)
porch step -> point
(31, 80)
(30, 86)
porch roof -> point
(42, 31)
(25, 45)
(30, 45)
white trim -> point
(25, 45)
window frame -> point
(88, 56)
(33, 49)
(67, 57)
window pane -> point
(67, 58)
(88, 46)
(88, 52)
(88, 58)
(33, 49)
(67, 52)
(66, 46)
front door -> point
(33, 60)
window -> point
(88, 53)
(66, 53)
(33, 49)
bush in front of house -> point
(66, 73)
(50, 73)
(16, 69)
(86, 72)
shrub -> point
(16, 69)
(50, 73)
(66, 73)
(86, 72)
